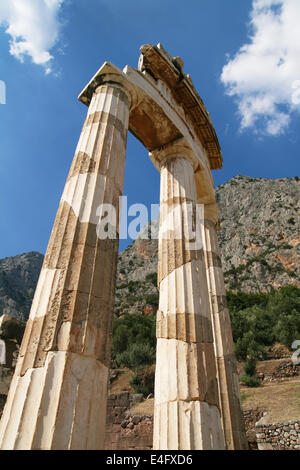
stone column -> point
(57, 398)
(229, 390)
(187, 414)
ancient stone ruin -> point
(57, 398)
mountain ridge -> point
(259, 241)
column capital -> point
(176, 149)
(110, 74)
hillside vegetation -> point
(259, 240)
(263, 319)
(259, 321)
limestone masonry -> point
(278, 436)
(58, 395)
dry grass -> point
(144, 408)
(281, 400)
(267, 367)
(121, 383)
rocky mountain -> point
(259, 240)
(260, 236)
(18, 279)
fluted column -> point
(57, 398)
(187, 414)
(229, 390)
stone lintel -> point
(154, 119)
(156, 61)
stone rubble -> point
(278, 436)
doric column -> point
(229, 390)
(187, 414)
(57, 398)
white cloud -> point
(33, 27)
(264, 74)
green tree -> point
(135, 356)
(130, 330)
(143, 380)
(259, 320)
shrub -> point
(122, 286)
(250, 366)
(285, 246)
(248, 377)
(260, 320)
(152, 278)
(152, 299)
(241, 300)
(132, 286)
(250, 381)
(135, 356)
(132, 329)
(287, 328)
(143, 381)
(247, 345)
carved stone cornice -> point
(156, 61)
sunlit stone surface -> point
(57, 398)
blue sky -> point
(49, 50)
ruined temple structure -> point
(58, 394)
